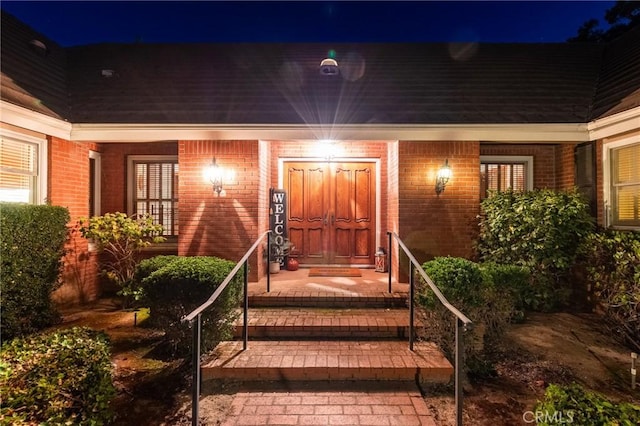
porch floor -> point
(297, 289)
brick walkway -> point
(355, 405)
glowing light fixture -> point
(217, 175)
(329, 65)
(443, 176)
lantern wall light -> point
(217, 176)
(443, 176)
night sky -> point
(85, 22)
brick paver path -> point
(398, 404)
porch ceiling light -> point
(443, 176)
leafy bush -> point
(181, 285)
(32, 242)
(122, 238)
(540, 230)
(61, 377)
(470, 289)
(612, 260)
(512, 279)
(576, 405)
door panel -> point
(331, 211)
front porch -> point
(327, 329)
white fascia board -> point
(552, 133)
(617, 124)
(34, 121)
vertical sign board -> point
(278, 217)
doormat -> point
(335, 272)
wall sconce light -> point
(217, 175)
(443, 176)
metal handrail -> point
(463, 323)
(195, 318)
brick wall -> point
(114, 170)
(544, 160)
(343, 149)
(565, 166)
(223, 226)
(600, 183)
(438, 225)
(68, 183)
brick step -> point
(328, 299)
(314, 323)
(327, 361)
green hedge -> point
(477, 291)
(32, 242)
(541, 230)
(61, 377)
(173, 287)
(575, 405)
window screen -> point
(625, 182)
(18, 170)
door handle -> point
(326, 221)
(333, 219)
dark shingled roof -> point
(31, 77)
(409, 83)
(619, 88)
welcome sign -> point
(278, 216)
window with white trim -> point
(23, 167)
(624, 178)
(500, 173)
(153, 189)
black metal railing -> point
(195, 318)
(463, 323)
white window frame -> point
(131, 160)
(607, 149)
(510, 159)
(40, 196)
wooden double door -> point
(331, 211)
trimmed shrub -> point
(612, 260)
(541, 230)
(576, 405)
(470, 289)
(181, 285)
(32, 242)
(61, 377)
(512, 279)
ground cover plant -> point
(57, 377)
(574, 404)
(32, 242)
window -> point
(153, 189)
(624, 184)
(23, 162)
(500, 173)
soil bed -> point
(546, 348)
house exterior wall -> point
(343, 149)
(544, 160)
(224, 226)
(565, 166)
(438, 225)
(68, 186)
(114, 170)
